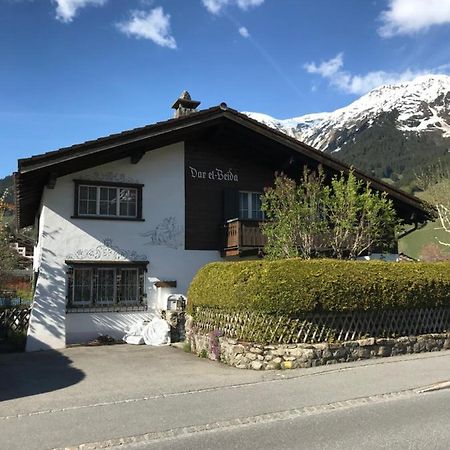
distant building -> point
(24, 246)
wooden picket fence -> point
(322, 327)
(14, 321)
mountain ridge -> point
(384, 131)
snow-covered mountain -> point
(407, 122)
(423, 105)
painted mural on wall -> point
(214, 174)
(106, 251)
(168, 233)
(113, 177)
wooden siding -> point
(206, 193)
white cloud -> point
(244, 32)
(343, 80)
(326, 68)
(246, 4)
(216, 6)
(412, 16)
(153, 25)
(360, 84)
(66, 10)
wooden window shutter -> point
(231, 204)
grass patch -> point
(413, 244)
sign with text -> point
(213, 175)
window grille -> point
(106, 286)
(82, 286)
(103, 286)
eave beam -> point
(51, 181)
(136, 157)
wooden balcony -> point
(243, 237)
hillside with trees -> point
(7, 183)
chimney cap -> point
(185, 101)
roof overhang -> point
(42, 170)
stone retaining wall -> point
(245, 355)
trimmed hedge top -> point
(295, 286)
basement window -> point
(96, 200)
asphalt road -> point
(163, 398)
(396, 424)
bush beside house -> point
(294, 286)
(296, 313)
(342, 217)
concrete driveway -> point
(89, 375)
(82, 394)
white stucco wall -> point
(38, 247)
(83, 327)
(62, 237)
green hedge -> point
(294, 286)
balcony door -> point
(250, 206)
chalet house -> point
(125, 220)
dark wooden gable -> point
(215, 172)
(218, 135)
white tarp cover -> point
(156, 332)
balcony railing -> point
(243, 236)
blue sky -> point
(73, 70)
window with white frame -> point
(105, 287)
(82, 287)
(101, 286)
(250, 205)
(105, 201)
(128, 285)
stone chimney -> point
(184, 105)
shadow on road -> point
(25, 374)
